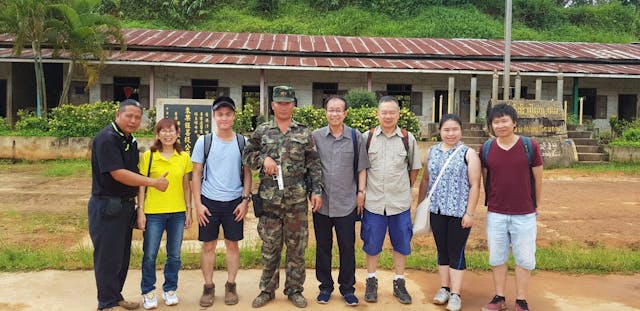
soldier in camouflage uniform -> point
(285, 143)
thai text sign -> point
(538, 118)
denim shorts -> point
(221, 215)
(517, 231)
(374, 230)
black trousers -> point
(111, 237)
(451, 240)
(346, 236)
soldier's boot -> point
(298, 300)
(262, 299)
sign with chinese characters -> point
(538, 118)
(193, 120)
(193, 116)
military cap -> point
(283, 94)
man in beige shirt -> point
(395, 162)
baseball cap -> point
(223, 101)
(283, 94)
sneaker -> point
(371, 291)
(298, 300)
(262, 299)
(170, 298)
(149, 300)
(350, 299)
(442, 296)
(496, 304)
(230, 294)
(521, 305)
(400, 291)
(128, 305)
(208, 294)
(323, 297)
(455, 303)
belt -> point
(122, 199)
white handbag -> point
(421, 221)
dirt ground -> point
(590, 208)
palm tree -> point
(26, 21)
(86, 36)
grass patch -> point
(63, 168)
(608, 167)
(559, 257)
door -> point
(3, 98)
(628, 107)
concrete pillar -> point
(517, 86)
(152, 87)
(494, 86)
(538, 89)
(560, 87)
(369, 81)
(472, 96)
(263, 94)
(451, 92)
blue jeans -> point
(173, 223)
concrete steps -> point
(589, 151)
(474, 135)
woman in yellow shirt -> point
(168, 211)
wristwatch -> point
(246, 197)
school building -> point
(466, 73)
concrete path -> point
(75, 290)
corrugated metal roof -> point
(173, 47)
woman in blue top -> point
(453, 204)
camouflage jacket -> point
(295, 151)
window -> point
(125, 88)
(402, 92)
(204, 89)
(322, 91)
(77, 94)
(250, 93)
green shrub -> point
(631, 134)
(310, 116)
(244, 118)
(5, 128)
(359, 98)
(31, 125)
(82, 120)
(362, 119)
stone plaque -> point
(193, 120)
(545, 122)
(538, 118)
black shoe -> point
(400, 291)
(371, 292)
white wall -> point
(169, 79)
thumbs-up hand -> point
(162, 183)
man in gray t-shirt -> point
(344, 179)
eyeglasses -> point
(335, 111)
(167, 131)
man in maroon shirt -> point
(512, 201)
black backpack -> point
(208, 140)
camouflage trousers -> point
(284, 225)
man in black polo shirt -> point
(115, 182)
